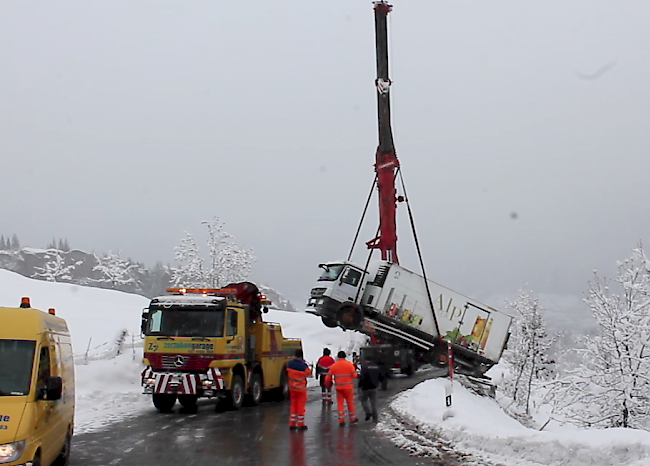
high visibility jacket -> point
(323, 364)
(297, 373)
(343, 371)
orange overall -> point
(297, 372)
(343, 371)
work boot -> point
(368, 416)
(354, 421)
(293, 427)
(302, 427)
(342, 424)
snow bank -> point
(480, 428)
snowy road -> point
(257, 436)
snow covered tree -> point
(219, 247)
(115, 270)
(54, 270)
(228, 261)
(611, 388)
(528, 353)
(190, 273)
(63, 245)
(3, 245)
(52, 244)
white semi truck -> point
(392, 304)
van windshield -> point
(185, 323)
(330, 272)
(16, 360)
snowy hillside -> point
(104, 323)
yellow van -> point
(36, 387)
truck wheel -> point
(236, 392)
(329, 322)
(255, 389)
(164, 402)
(188, 402)
(350, 316)
(282, 392)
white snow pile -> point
(479, 427)
(105, 329)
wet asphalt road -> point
(251, 436)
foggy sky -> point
(125, 123)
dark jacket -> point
(370, 377)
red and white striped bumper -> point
(182, 383)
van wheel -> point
(64, 456)
(164, 402)
(188, 402)
(256, 389)
(236, 392)
(37, 459)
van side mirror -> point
(53, 388)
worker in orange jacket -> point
(343, 371)
(297, 373)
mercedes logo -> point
(179, 361)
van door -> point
(46, 418)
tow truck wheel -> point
(164, 402)
(236, 392)
(282, 392)
(329, 322)
(188, 401)
(256, 389)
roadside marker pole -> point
(449, 389)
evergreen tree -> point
(52, 244)
(15, 244)
(3, 245)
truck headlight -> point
(11, 451)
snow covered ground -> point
(108, 386)
(479, 427)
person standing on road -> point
(369, 379)
(343, 372)
(322, 366)
(297, 373)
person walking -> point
(297, 373)
(322, 366)
(343, 371)
(369, 379)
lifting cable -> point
(363, 215)
(417, 247)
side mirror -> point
(143, 324)
(53, 388)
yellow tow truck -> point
(207, 342)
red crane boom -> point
(386, 162)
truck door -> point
(235, 344)
(346, 287)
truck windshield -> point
(185, 323)
(16, 360)
(330, 272)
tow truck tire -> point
(255, 389)
(188, 401)
(282, 392)
(236, 392)
(329, 322)
(164, 402)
